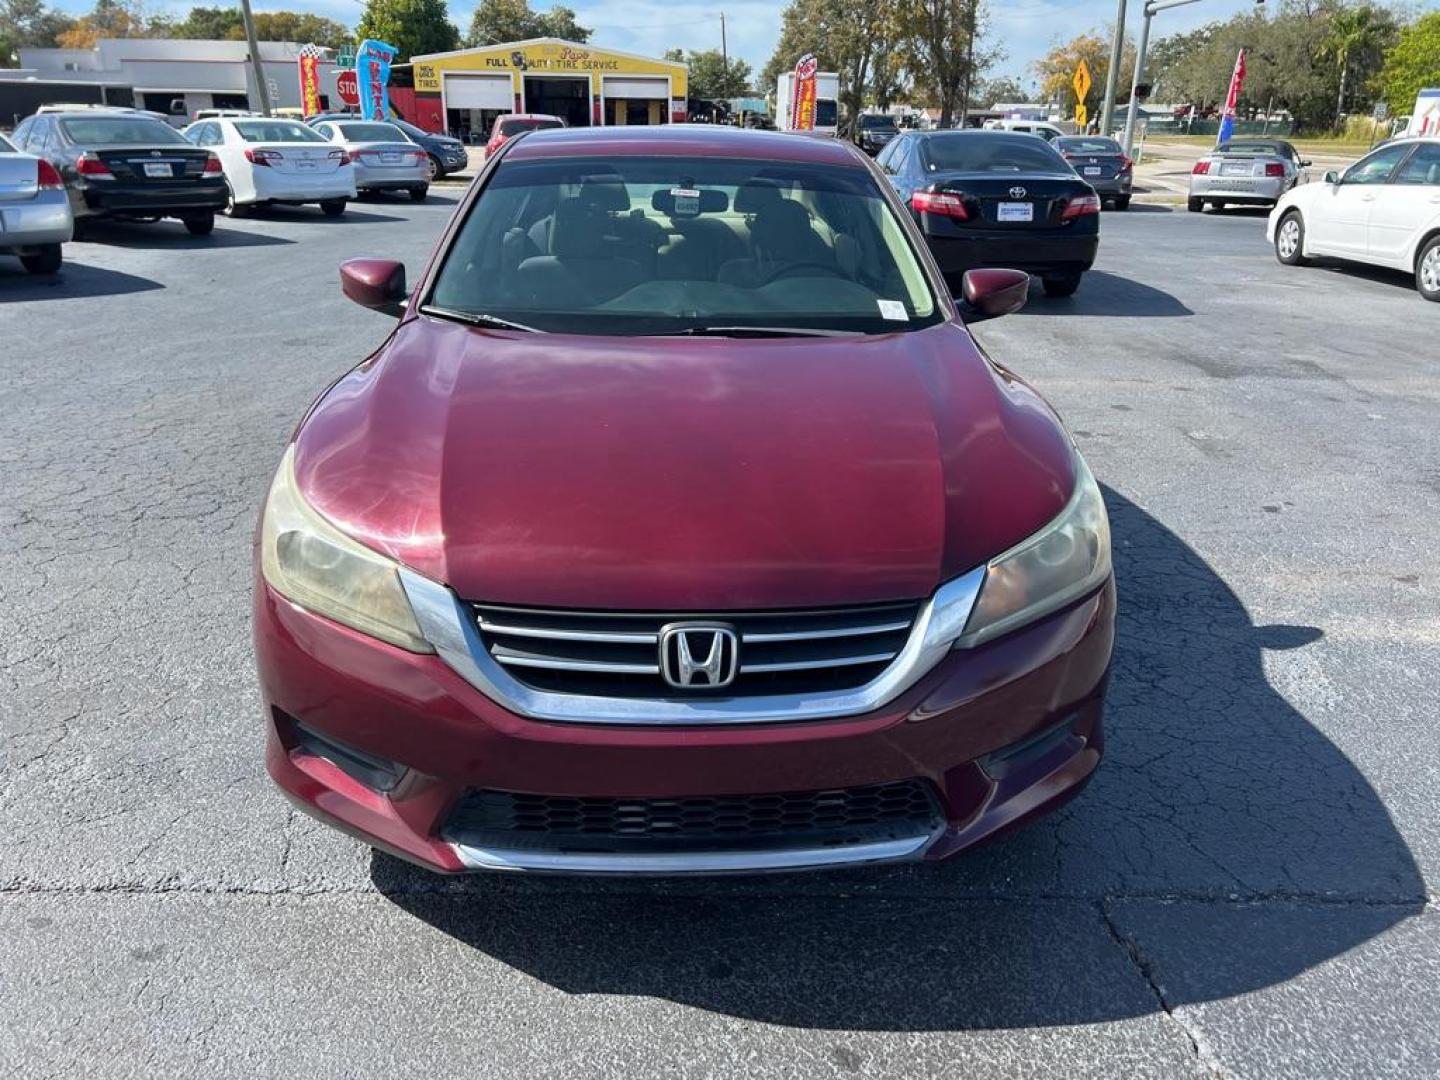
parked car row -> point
(65, 167)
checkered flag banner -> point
(314, 52)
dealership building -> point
(168, 76)
(462, 92)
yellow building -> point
(465, 90)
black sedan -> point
(119, 164)
(994, 198)
(1102, 164)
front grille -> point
(617, 654)
(713, 823)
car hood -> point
(680, 473)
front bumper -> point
(1003, 732)
(45, 219)
(121, 198)
(1036, 251)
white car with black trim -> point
(385, 158)
(1383, 210)
(268, 160)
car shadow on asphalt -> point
(308, 215)
(169, 235)
(74, 280)
(1222, 822)
(1142, 208)
(1104, 293)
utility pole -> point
(1117, 46)
(724, 53)
(262, 88)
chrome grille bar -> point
(813, 665)
(617, 637)
(818, 635)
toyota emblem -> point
(1017, 192)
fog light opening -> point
(377, 773)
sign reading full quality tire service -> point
(803, 108)
(372, 73)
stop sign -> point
(348, 86)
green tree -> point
(108, 19)
(414, 27)
(1352, 34)
(1003, 88)
(29, 24)
(711, 77)
(1412, 64)
(1056, 70)
(498, 21)
(207, 24)
(305, 28)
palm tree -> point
(1352, 30)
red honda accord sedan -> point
(679, 526)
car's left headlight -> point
(306, 559)
(1066, 559)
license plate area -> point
(1092, 170)
(158, 169)
(1015, 211)
(390, 159)
(1238, 169)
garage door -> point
(479, 92)
(637, 89)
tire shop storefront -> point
(461, 93)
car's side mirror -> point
(988, 294)
(1305, 163)
(378, 284)
(1332, 177)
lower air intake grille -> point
(813, 818)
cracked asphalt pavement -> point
(1247, 889)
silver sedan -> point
(1245, 172)
(385, 160)
(35, 216)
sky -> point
(1025, 29)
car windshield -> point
(991, 153)
(5, 146)
(276, 131)
(1087, 146)
(878, 122)
(372, 133)
(666, 245)
(118, 130)
(409, 129)
(515, 125)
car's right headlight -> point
(1066, 559)
(308, 560)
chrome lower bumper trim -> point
(706, 862)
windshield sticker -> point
(893, 309)
(687, 202)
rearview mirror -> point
(1332, 177)
(988, 294)
(378, 284)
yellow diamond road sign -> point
(1081, 81)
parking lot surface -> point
(1246, 889)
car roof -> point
(528, 116)
(685, 140)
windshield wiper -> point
(757, 331)
(477, 318)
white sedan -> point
(270, 160)
(385, 158)
(1384, 210)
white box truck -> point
(827, 102)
